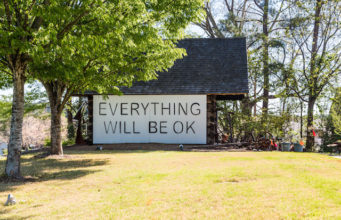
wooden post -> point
(212, 134)
(90, 122)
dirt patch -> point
(65, 156)
(219, 149)
(235, 180)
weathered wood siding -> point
(212, 134)
(90, 123)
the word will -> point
(161, 127)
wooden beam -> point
(212, 134)
(90, 126)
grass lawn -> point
(177, 185)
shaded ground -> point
(51, 168)
(155, 147)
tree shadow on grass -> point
(15, 217)
(39, 170)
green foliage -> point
(35, 103)
(97, 44)
(314, 67)
(35, 100)
(247, 127)
(71, 132)
(68, 142)
(5, 113)
(47, 142)
(5, 80)
(336, 120)
(332, 131)
(73, 46)
(335, 113)
(4, 151)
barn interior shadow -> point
(39, 170)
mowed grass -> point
(177, 185)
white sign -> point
(149, 119)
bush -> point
(64, 143)
(70, 132)
(47, 142)
(68, 142)
(4, 151)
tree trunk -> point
(266, 71)
(70, 126)
(246, 107)
(79, 133)
(55, 92)
(255, 97)
(79, 118)
(15, 141)
(301, 119)
(313, 76)
(310, 137)
(56, 131)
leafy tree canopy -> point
(103, 42)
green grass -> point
(177, 185)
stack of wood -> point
(336, 146)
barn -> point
(178, 107)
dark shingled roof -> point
(212, 66)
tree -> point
(332, 122)
(5, 109)
(314, 29)
(335, 113)
(96, 55)
(35, 103)
(85, 41)
(260, 22)
(69, 115)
